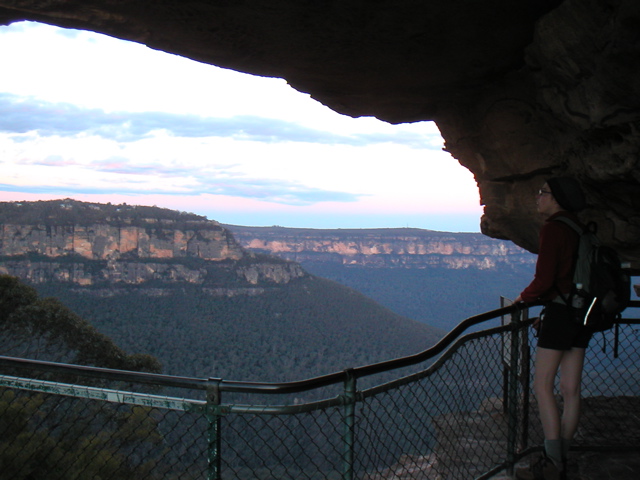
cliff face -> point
(57, 241)
(156, 239)
(401, 248)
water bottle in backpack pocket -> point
(601, 288)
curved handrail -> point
(269, 387)
(106, 373)
(440, 346)
(366, 370)
(261, 387)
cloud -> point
(16, 27)
(275, 191)
(50, 161)
(21, 115)
(120, 175)
(124, 166)
(278, 192)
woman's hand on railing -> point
(536, 324)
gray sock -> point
(553, 449)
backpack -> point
(601, 288)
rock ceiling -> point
(520, 90)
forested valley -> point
(312, 327)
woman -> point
(561, 340)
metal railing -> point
(458, 410)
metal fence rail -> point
(459, 410)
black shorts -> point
(560, 331)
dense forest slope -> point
(310, 327)
(179, 287)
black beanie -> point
(567, 192)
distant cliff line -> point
(88, 244)
(382, 248)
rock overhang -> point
(519, 90)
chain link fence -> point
(460, 410)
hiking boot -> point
(542, 469)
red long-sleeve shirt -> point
(558, 246)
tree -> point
(45, 436)
(45, 329)
(13, 295)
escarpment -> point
(92, 244)
(383, 248)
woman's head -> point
(546, 202)
(567, 193)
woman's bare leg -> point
(547, 364)
(571, 368)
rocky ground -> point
(468, 440)
(598, 466)
(615, 424)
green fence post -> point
(349, 425)
(525, 374)
(214, 434)
(512, 407)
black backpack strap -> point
(567, 221)
(579, 230)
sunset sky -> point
(97, 119)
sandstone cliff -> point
(395, 248)
(89, 244)
(159, 239)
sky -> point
(90, 117)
